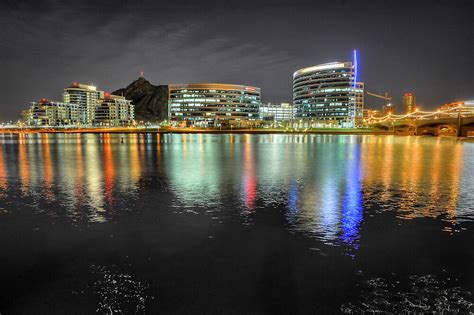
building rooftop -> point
(222, 86)
(324, 66)
(76, 85)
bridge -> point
(456, 121)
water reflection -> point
(417, 177)
(3, 174)
(352, 208)
(326, 184)
(197, 170)
(48, 171)
(327, 198)
(24, 162)
(249, 178)
(78, 182)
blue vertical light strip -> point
(354, 86)
(353, 202)
(355, 67)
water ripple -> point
(419, 294)
(118, 292)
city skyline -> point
(236, 157)
(424, 50)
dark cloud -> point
(421, 46)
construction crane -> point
(384, 97)
(386, 107)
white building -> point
(87, 97)
(114, 110)
(54, 114)
(277, 112)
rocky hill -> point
(151, 101)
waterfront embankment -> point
(196, 130)
(168, 130)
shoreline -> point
(195, 131)
(215, 131)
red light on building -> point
(408, 94)
(248, 88)
(44, 100)
(107, 95)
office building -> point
(213, 104)
(113, 111)
(409, 103)
(328, 95)
(87, 97)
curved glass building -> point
(328, 95)
(209, 104)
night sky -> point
(424, 47)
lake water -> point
(193, 223)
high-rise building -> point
(86, 96)
(114, 110)
(277, 112)
(328, 95)
(50, 113)
(409, 103)
(210, 104)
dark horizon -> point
(423, 47)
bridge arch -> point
(437, 129)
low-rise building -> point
(464, 106)
(51, 113)
(113, 110)
(389, 109)
(371, 113)
(277, 112)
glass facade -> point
(211, 103)
(327, 94)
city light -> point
(316, 104)
(278, 158)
